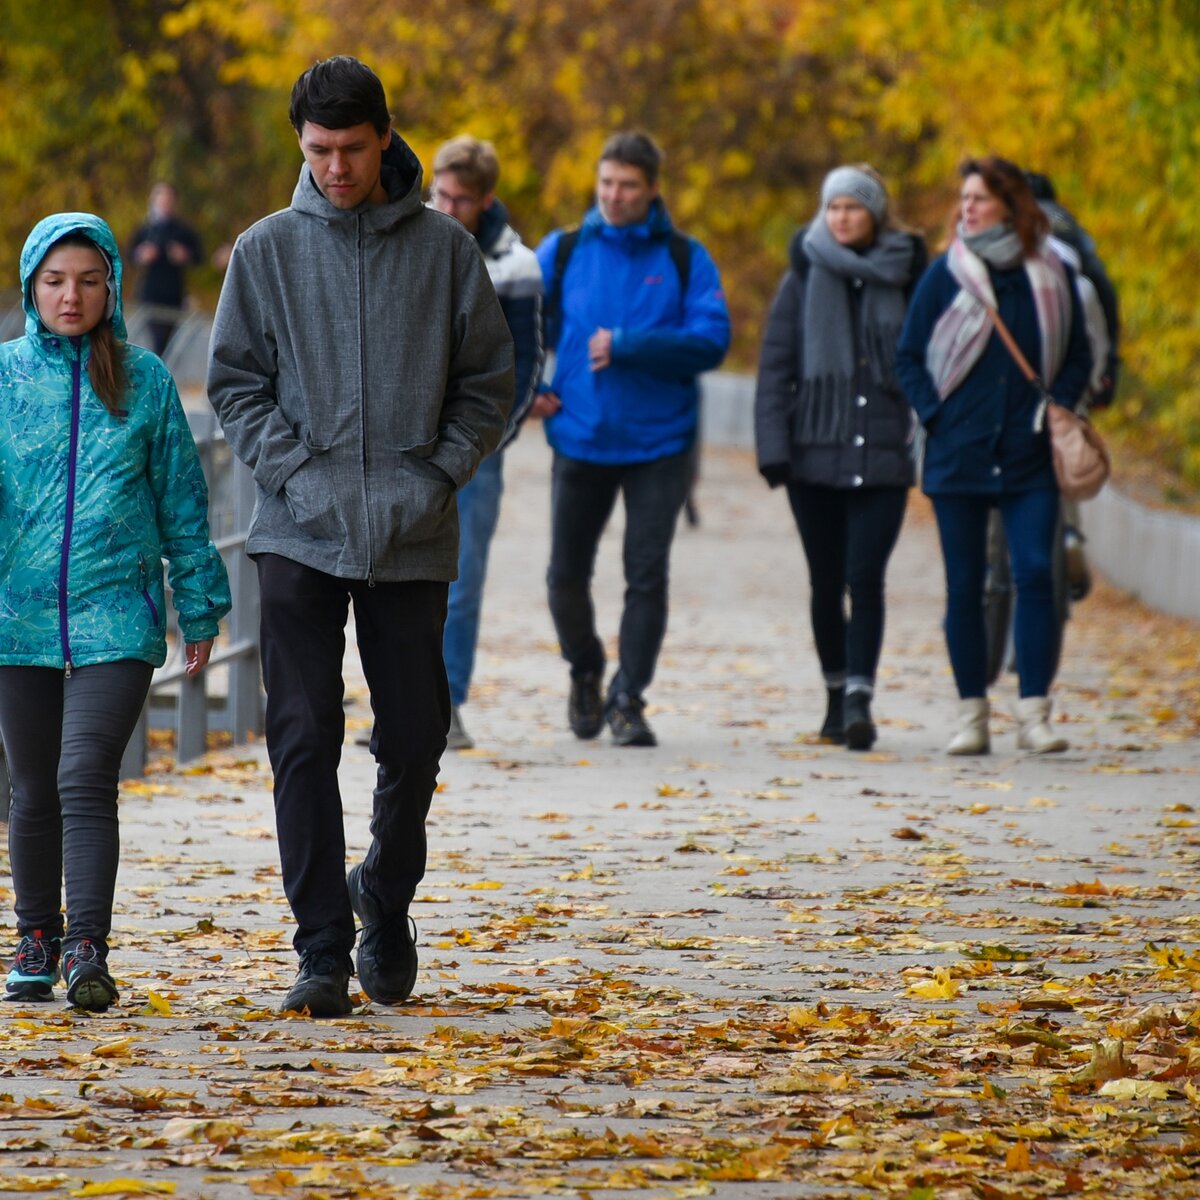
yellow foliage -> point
(753, 101)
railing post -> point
(245, 691)
(191, 719)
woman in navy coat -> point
(987, 445)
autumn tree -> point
(753, 101)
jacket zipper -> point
(69, 522)
(144, 580)
(362, 391)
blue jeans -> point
(478, 514)
(582, 497)
(1030, 520)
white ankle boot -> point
(1035, 734)
(971, 731)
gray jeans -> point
(64, 739)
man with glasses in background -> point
(465, 173)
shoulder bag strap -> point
(1011, 343)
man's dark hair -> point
(635, 149)
(338, 93)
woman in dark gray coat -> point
(832, 425)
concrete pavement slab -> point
(739, 964)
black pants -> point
(582, 498)
(64, 739)
(399, 628)
(848, 536)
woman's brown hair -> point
(1006, 181)
(106, 363)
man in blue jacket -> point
(635, 312)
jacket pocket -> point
(422, 503)
(311, 500)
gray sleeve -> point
(242, 378)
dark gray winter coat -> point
(878, 450)
(362, 367)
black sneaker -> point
(35, 968)
(322, 987)
(834, 727)
(85, 972)
(860, 729)
(387, 949)
(585, 711)
(627, 722)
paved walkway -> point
(742, 964)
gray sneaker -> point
(457, 738)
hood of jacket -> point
(656, 225)
(401, 174)
(492, 224)
(37, 245)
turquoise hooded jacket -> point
(91, 502)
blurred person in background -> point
(635, 312)
(987, 444)
(465, 173)
(162, 249)
(832, 425)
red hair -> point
(1006, 181)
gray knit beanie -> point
(858, 185)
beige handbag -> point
(1081, 460)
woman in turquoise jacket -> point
(99, 482)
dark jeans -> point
(64, 739)
(848, 536)
(582, 497)
(1030, 520)
(399, 628)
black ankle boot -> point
(860, 729)
(834, 728)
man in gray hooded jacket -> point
(361, 366)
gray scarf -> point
(827, 392)
(997, 245)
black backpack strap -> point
(679, 247)
(552, 306)
(681, 255)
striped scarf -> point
(963, 330)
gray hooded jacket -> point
(362, 367)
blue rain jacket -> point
(91, 502)
(621, 277)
